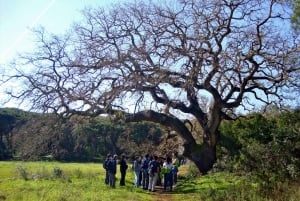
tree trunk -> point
(204, 156)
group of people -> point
(110, 165)
(149, 171)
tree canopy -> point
(158, 61)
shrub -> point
(22, 172)
(57, 172)
(265, 146)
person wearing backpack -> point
(112, 170)
(153, 173)
(105, 166)
(145, 175)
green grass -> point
(85, 181)
(78, 182)
(228, 186)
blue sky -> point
(18, 17)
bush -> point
(57, 172)
(265, 146)
(22, 172)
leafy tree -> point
(156, 61)
(141, 138)
(9, 119)
(265, 145)
(80, 138)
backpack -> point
(145, 163)
(153, 165)
(105, 164)
(111, 166)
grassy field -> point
(85, 181)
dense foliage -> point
(29, 136)
(9, 119)
(267, 146)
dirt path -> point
(160, 195)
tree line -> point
(267, 144)
(31, 136)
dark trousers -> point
(145, 179)
(168, 181)
(174, 177)
(106, 177)
(122, 180)
(140, 178)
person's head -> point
(123, 157)
(169, 159)
(147, 156)
(115, 156)
(137, 158)
(155, 157)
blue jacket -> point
(112, 166)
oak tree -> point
(156, 61)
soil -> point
(160, 195)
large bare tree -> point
(157, 61)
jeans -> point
(168, 180)
(145, 179)
(137, 178)
(112, 179)
(175, 171)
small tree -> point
(156, 61)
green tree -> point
(155, 61)
(265, 145)
(9, 119)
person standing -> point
(105, 166)
(123, 168)
(176, 164)
(112, 170)
(137, 166)
(168, 175)
(145, 175)
(153, 173)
